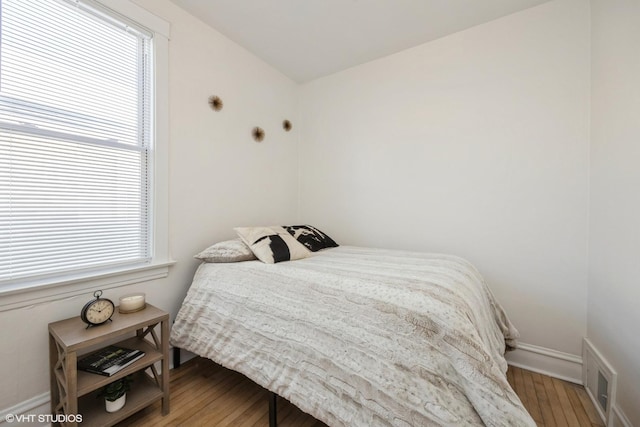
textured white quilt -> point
(360, 337)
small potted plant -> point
(115, 394)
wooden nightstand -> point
(74, 392)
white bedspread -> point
(360, 337)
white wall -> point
(614, 255)
(475, 144)
(219, 178)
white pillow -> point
(272, 244)
(228, 251)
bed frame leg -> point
(273, 416)
(176, 357)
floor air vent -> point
(603, 391)
(600, 381)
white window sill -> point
(11, 299)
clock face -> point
(98, 311)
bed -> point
(359, 336)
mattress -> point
(360, 336)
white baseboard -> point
(28, 410)
(546, 361)
(619, 418)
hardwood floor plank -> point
(197, 401)
(254, 412)
(554, 401)
(217, 404)
(578, 409)
(286, 413)
(591, 411)
(237, 402)
(206, 394)
(510, 378)
(543, 400)
(533, 406)
(565, 403)
(519, 387)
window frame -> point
(32, 292)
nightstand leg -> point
(164, 332)
(53, 360)
(71, 362)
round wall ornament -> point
(258, 134)
(215, 103)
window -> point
(76, 142)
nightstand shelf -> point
(88, 382)
(74, 392)
(143, 392)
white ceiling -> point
(307, 39)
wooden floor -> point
(553, 402)
(205, 394)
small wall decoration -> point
(258, 134)
(215, 103)
(286, 125)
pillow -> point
(272, 244)
(228, 251)
(311, 237)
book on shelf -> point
(109, 360)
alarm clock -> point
(97, 311)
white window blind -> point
(75, 141)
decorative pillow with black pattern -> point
(311, 237)
(272, 244)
